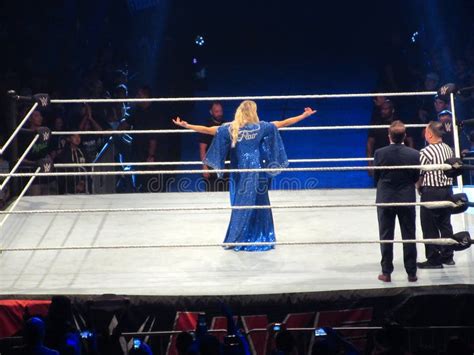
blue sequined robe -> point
(258, 146)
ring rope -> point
(239, 98)
(18, 199)
(18, 163)
(198, 162)
(429, 204)
(178, 130)
(428, 167)
(18, 128)
(438, 241)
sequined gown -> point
(258, 146)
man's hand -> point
(88, 111)
(370, 171)
(206, 175)
(179, 122)
(419, 189)
(418, 185)
(81, 187)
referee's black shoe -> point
(428, 265)
(448, 261)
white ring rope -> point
(240, 98)
(20, 125)
(179, 130)
(428, 167)
(17, 201)
(438, 241)
(198, 162)
(430, 204)
(18, 163)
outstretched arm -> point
(200, 129)
(308, 111)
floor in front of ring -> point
(202, 271)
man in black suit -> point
(397, 186)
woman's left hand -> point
(308, 111)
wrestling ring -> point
(170, 243)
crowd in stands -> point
(85, 148)
(405, 69)
(59, 333)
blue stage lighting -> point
(414, 36)
(199, 41)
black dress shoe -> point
(449, 262)
(428, 265)
(412, 278)
(385, 277)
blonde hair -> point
(246, 113)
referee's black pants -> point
(407, 220)
(436, 223)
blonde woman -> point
(252, 144)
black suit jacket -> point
(396, 185)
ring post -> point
(457, 149)
(11, 115)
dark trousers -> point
(407, 220)
(436, 223)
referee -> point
(435, 186)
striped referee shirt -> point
(435, 154)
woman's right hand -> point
(179, 122)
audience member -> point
(72, 153)
(57, 142)
(142, 349)
(440, 103)
(146, 147)
(446, 119)
(216, 119)
(285, 343)
(378, 102)
(61, 334)
(34, 333)
(91, 143)
(40, 150)
(332, 343)
(388, 341)
(184, 341)
(378, 137)
(424, 108)
(430, 82)
(208, 345)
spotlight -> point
(199, 41)
(414, 36)
(195, 61)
